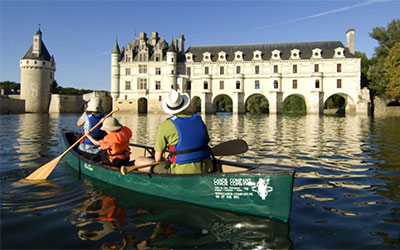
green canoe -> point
(244, 188)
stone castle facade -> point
(143, 71)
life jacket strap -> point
(188, 151)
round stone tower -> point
(37, 75)
(115, 57)
(171, 66)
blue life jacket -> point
(192, 144)
(97, 133)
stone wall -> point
(381, 108)
(66, 104)
(11, 105)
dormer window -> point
(207, 56)
(257, 55)
(189, 57)
(275, 55)
(339, 52)
(295, 54)
(316, 53)
(222, 56)
(238, 55)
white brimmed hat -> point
(175, 102)
(111, 124)
(94, 105)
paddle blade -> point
(44, 171)
(232, 147)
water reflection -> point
(133, 220)
(346, 189)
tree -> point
(224, 104)
(365, 65)
(392, 74)
(257, 104)
(387, 38)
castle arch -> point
(222, 103)
(142, 105)
(257, 104)
(195, 105)
(294, 104)
(339, 103)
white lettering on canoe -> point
(237, 188)
(88, 166)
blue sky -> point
(81, 34)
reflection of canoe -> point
(199, 226)
(246, 189)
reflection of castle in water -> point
(31, 132)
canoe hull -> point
(259, 192)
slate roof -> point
(44, 55)
(327, 50)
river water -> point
(346, 190)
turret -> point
(171, 65)
(350, 40)
(115, 75)
(37, 74)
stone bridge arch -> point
(308, 107)
(256, 95)
(350, 105)
(222, 108)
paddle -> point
(125, 170)
(44, 171)
(232, 147)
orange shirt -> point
(117, 143)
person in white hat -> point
(115, 144)
(184, 136)
(90, 117)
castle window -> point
(339, 67)
(317, 84)
(158, 84)
(339, 52)
(205, 85)
(142, 83)
(221, 84)
(295, 54)
(44, 63)
(339, 83)
(206, 71)
(158, 58)
(127, 85)
(221, 70)
(316, 53)
(276, 54)
(188, 85)
(127, 58)
(257, 55)
(237, 69)
(142, 69)
(275, 68)
(159, 98)
(158, 71)
(275, 84)
(188, 71)
(294, 84)
(237, 84)
(127, 71)
(295, 68)
(257, 84)
(35, 62)
(316, 67)
(238, 55)
(257, 69)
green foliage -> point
(377, 73)
(392, 73)
(224, 104)
(257, 104)
(9, 86)
(365, 66)
(335, 102)
(294, 105)
(55, 89)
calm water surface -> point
(346, 190)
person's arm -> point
(81, 119)
(158, 156)
(92, 140)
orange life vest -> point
(119, 143)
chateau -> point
(145, 70)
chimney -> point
(181, 43)
(350, 40)
(154, 38)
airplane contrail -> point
(366, 3)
